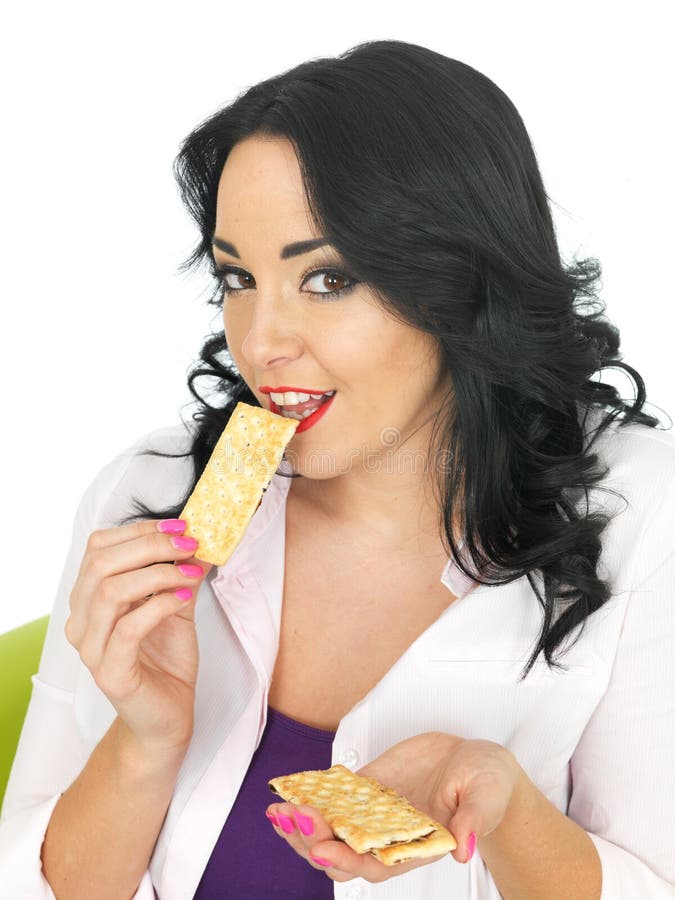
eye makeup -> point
(221, 273)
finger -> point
(119, 673)
(321, 849)
(286, 818)
(281, 818)
(465, 832)
(313, 830)
(482, 807)
(108, 537)
(304, 823)
(120, 594)
(341, 863)
(311, 824)
(136, 553)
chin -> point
(318, 465)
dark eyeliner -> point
(220, 273)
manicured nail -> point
(322, 862)
(190, 571)
(172, 526)
(184, 543)
(184, 594)
(286, 824)
(471, 845)
(273, 819)
(305, 824)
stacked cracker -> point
(238, 472)
(367, 816)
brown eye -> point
(237, 275)
(333, 282)
(329, 279)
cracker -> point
(238, 472)
(366, 815)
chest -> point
(347, 617)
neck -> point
(386, 511)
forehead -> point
(261, 201)
(263, 169)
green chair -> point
(20, 652)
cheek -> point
(235, 333)
(229, 324)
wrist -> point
(538, 852)
(143, 760)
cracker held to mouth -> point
(237, 474)
(366, 815)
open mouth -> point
(307, 408)
(297, 405)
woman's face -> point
(284, 327)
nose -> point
(272, 337)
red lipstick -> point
(314, 418)
(310, 420)
(282, 390)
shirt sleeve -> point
(623, 778)
(49, 755)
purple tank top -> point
(249, 860)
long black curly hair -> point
(421, 173)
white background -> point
(99, 330)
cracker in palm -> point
(366, 815)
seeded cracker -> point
(230, 489)
(367, 816)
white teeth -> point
(287, 414)
(290, 398)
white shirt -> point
(598, 740)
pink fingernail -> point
(184, 594)
(184, 543)
(190, 571)
(172, 526)
(305, 824)
(273, 819)
(321, 862)
(471, 845)
(286, 824)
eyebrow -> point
(296, 249)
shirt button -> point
(350, 759)
(355, 892)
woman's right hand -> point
(134, 634)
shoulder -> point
(638, 493)
(632, 443)
(639, 461)
(156, 470)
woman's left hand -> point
(466, 785)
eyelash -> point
(220, 273)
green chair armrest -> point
(20, 652)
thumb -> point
(479, 811)
(471, 821)
(465, 830)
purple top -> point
(249, 858)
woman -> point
(460, 579)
